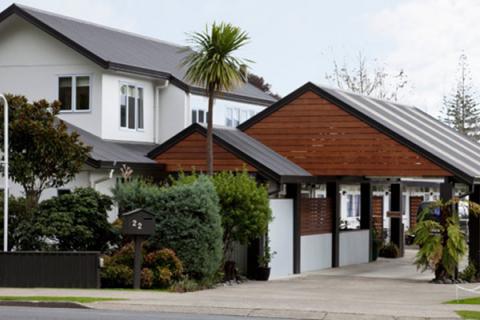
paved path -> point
(386, 289)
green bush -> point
(469, 274)
(75, 221)
(160, 268)
(389, 250)
(19, 235)
(245, 208)
(116, 276)
(187, 221)
(165, 266)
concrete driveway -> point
(386, 289)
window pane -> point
(140, 108)
(228, 118)
(201, 116)
(194, 116)
(123, 106)
(131, 112)
(65, 92)
(236, 117)
(83, 93)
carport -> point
(335, 141)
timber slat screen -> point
(377, 204)
(50, 269)
(316, 216)
(326, 140)
(415, 202)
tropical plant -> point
(43, 153)
(212, 65)
(442, 243)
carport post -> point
(474, 231)
(366, 212)
(294, 192)
(333, 192)
(396, 223)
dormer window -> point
(131, 107)
(74, 93)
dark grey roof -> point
(256, 154)
(120, 50)
(105, 152)
(419, 128)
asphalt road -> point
(24, 313)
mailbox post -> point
(138, 223)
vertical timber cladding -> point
(316, 216)
(377, 204)
(415, 202)
(326, 140)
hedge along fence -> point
(187, 221)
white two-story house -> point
(124, 93)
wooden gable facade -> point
(326, 140)
(190, 154)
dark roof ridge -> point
(99, 25)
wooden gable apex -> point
(326, 139)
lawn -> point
(469, 314)
(56, 299)
(474, 300)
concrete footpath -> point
(386, 289)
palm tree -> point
(211, 65)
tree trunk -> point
(211, 97)
(32, 198)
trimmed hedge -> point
(187, 221)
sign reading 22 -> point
(137, 224)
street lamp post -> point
(5, 174)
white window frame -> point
(74, 91)
(136, 86)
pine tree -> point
(460, 110)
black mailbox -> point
(138, 222)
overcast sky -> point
(295, 41)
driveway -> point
(386, 289)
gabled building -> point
(338, 145)
(124, 92)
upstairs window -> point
(131, 107)
(199, 116)
(74, 93)
(235, 116)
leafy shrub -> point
(160, 268)
(245, 208)
(147, 278)
(187, 221)
(19, 221)
(389, 250)
(165, 266)
(186, 285)
(116, 276)
(75, 221)
(469, 273)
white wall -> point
(111, 130)
(354, 247)
(316, 252)
(31, 62)
(280, 233)
(220, 108)
(173, 115)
